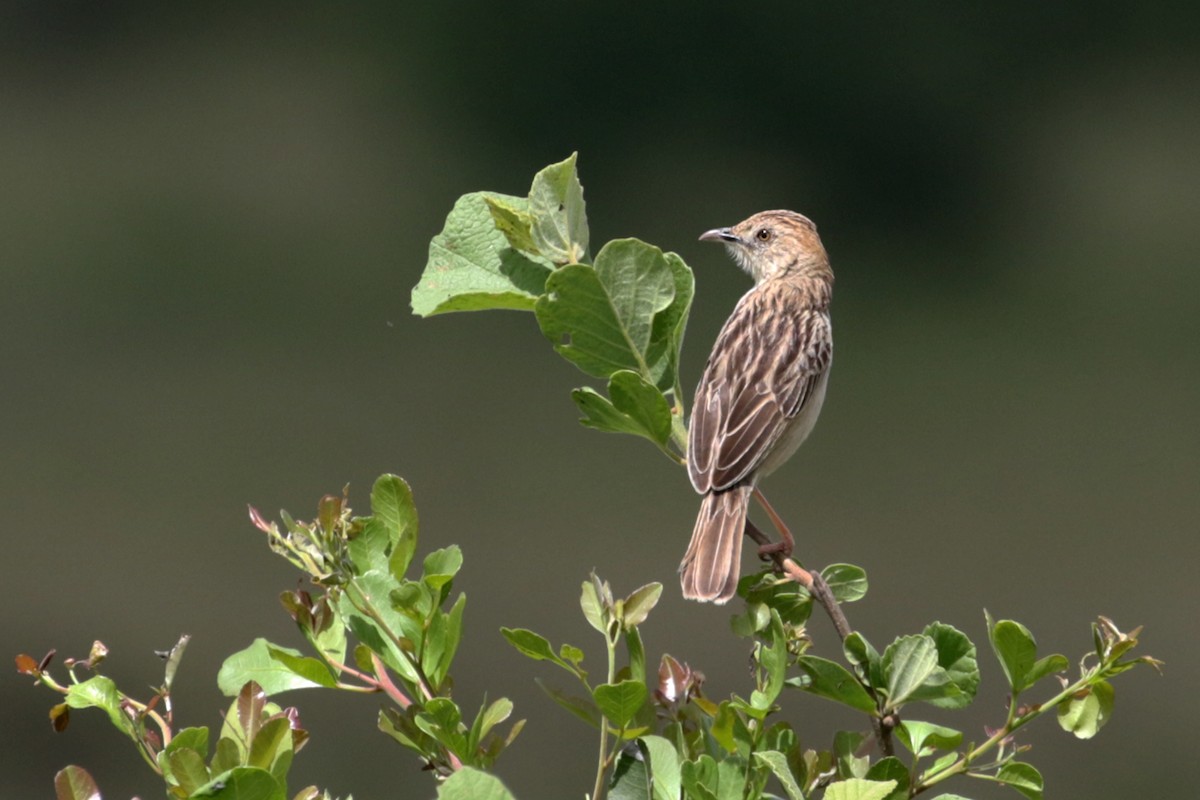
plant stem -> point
(1013, 723)
(602, 761)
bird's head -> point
(774, 244)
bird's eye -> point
(763, 234)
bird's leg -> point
(787, 542)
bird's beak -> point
(719, 235)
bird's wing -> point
(767, 361)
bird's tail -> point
(713, 563)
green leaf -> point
(441, 566)
(922, 738)
(242, 783)
(862, 654)
(845, 752)
(831, 680)
(593, 607)
(445, 633)
(191, 738)
(777, 763)
(1016, 650)
(276, 669)
(847, 582)
(1085, 714)
(469, 783)
(272, 740)
(631, 775)
(700, 778)
(100, 692)
(74, 783)
(635, 407)
(187, 769)
(1047, 665)
(669, 324)
(533, 645)
(559, 216)
(951, 797)
(393, 509)
(664, 767)
(891, 769)
(859, 789)
(907, 663)
(773, 660)
(620, 702)
(472, 266)
(489, 717)
(516, 224)
(640, 603)
(582, 707)
(956, 655)
(602, 319)
(1022, 777)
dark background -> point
(210, 222)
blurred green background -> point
(211, 217)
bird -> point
(761, 391)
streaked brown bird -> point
(761, 391)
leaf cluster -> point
(620, 317)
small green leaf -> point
(620, 702)
(907, 663)
(472, 266)
(640, 603)
(956, 655)
(1022, 777)
(469, 783)
(1016, 650)
(831, 680)
(700, 778)
(187, 769)
(1084, 714)
(100, 692)
(491, 716)
(859, 789)
(1047, 665)
(922, 738)
(441, 566)
(862, 654)
(847, 582)
(392, 508)
(777, 763)
(531, 644)
(559, 216)
(441, 643)
(593, 608)
(74, 783)
(516, 224)
(272, 739)
(584, 708)
(635, 407)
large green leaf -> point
(102, 693)
(276, 669)
(601, 318)
(472, 265)
(664, 767)
(831, 680)
(1023, 777)
(619, 702)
